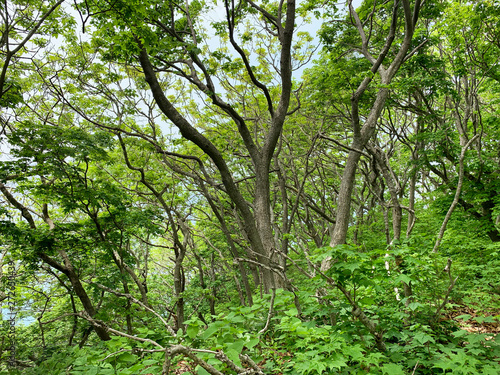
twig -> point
(452, 284)
(177, 350)
(415, 368)
(114, 353)
(274, 268)
(253, 365)
(344, 146)
(180, 349)
(270, 312)
(59, 318)
(101, 324)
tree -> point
(387, 70)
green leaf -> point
(444, 364)
(209, 331)
(81, 361)
(233, 355)
(201, 371)
(355, 352)
(392, 369)
(192, 331)
(252, 342)
(367, 301)
(414, 305)
(423, 338)
(107, 371)
(460, 333)
(489, 370)
(403, 278)
(237, 346)
(292, 312)
(90, 369)
(127, 357)
(484, 319)
(337, 362)
(151, 370)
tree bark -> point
(411, 204)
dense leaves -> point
(185, 191)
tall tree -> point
(166, 40)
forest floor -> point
(475, 320)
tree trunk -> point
(78, 288)
(343, 216)
(262, 213)
(411, 204)
(363, 134)
(258, 228)
(392, 184)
